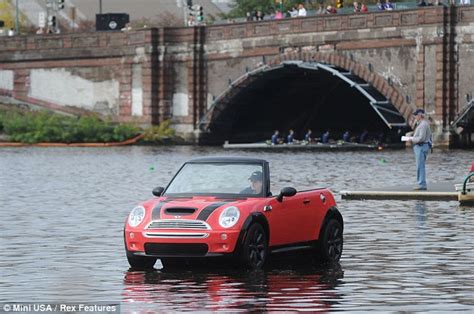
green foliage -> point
(2, 116)
(8, 15)
(241, 7)
(43, 126)
(125, 131)
(160, 133)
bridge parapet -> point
(338, 23)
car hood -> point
(190, 208)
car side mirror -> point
(158, 191)
(286, 192)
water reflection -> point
(285, 285)
(420, 207)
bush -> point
(160, 133)
(125, 131)
(42, 126)
(2, 116)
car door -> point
(292, 220)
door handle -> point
(306, 201)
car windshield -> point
(217, 178)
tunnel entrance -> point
(301, 96)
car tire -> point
(255, 247)
(330, 244)
(140, 262)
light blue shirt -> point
(422, 133)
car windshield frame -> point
(263, 193)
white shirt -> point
(302, 12)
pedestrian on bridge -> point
(422, 143)
(301, 10)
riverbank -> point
(43, 128)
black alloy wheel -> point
(255, 247)
(331, 243)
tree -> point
(241, 7)
(8, 15)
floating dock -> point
(447, 191)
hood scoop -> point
(181, 211)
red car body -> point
(187, 226)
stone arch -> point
(390, 92)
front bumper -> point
(180, 243)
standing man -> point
(421, 146)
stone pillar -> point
(197, 80)
(125, 101)
(446, 80)
(163, 83)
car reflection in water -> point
(283, 285)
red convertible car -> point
(222, 206)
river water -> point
(63, 211)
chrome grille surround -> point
(179, 224)
(176, 235)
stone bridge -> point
(241, 81)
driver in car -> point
(256, 183)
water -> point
(63, 211)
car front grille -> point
(179, 224)
(176, 235)
(176, 249)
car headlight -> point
(136, 216)
(229, 217)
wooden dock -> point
(436, 192)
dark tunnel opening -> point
(297, 98)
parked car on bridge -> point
(223, 207)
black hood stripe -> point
(156, 213)
(208, 210)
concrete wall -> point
(6, 81)
(60, 86)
